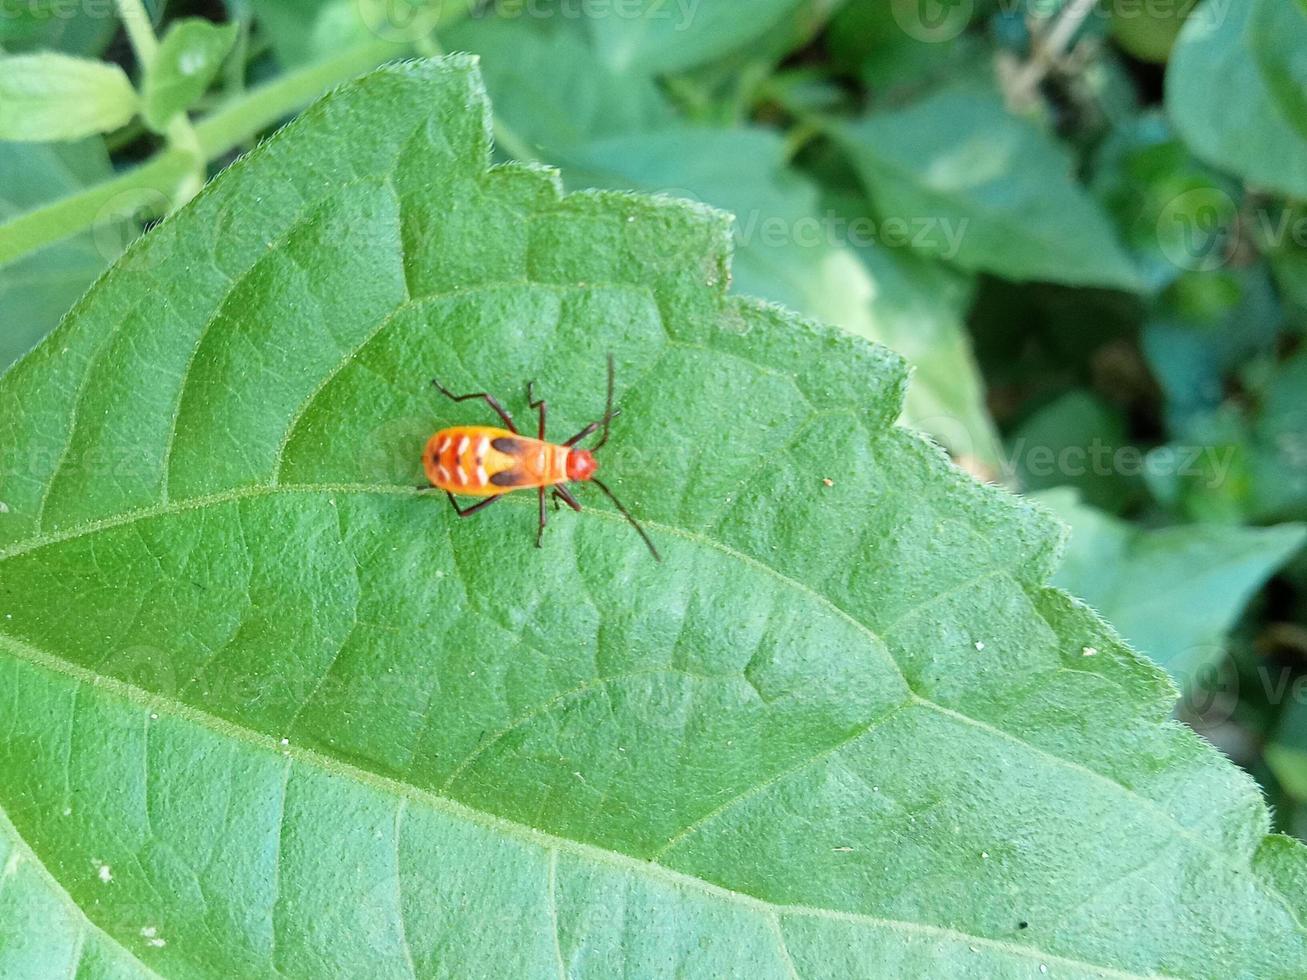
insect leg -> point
(539, 404)
(605, 423)
(490, 400)
(469, 511)
(544, 519)
(565, 495)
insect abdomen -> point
(480, 461)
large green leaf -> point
(1173, 592)
(270, 710)
(1229, 90)
(1002, 188)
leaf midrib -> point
(62, 894)
(251, 492)
(528, 835)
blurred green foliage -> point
(1082, 223)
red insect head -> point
(581, 464)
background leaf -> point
(959, 162)
(1175, 592)
(345, 732)
(37, 290)
(188, 59)
(47, 97)
(1222, 101)
(655, 36)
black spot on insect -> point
(507, 445)
(508, 478)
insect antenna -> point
(627, 514)
(609, 414)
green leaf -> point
(75, 28)
(1286, 755)
(270, 710)
(1256, 467)
(48, 97)
(918, 309)
(1174, 593)
(657, 36)
(1080, 441)
(37, 290)
(584, 99)
(1174, 214)
(1278, 37)
(1221, 99)
(188, 59)
(960, 159)
(1207, 325)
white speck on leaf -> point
(984, 854)
(4, 507)
(1043, 967)
(1089, 652)
(105, 874)
(980, 644)
(285, 741)
(190, 63)
(842, 850)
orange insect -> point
(484, 461)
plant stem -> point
(139, 32)
(179, 132)
(77, 212)
(229, 127)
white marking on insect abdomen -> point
(483, 444)
(560, 463)
(460, 462)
